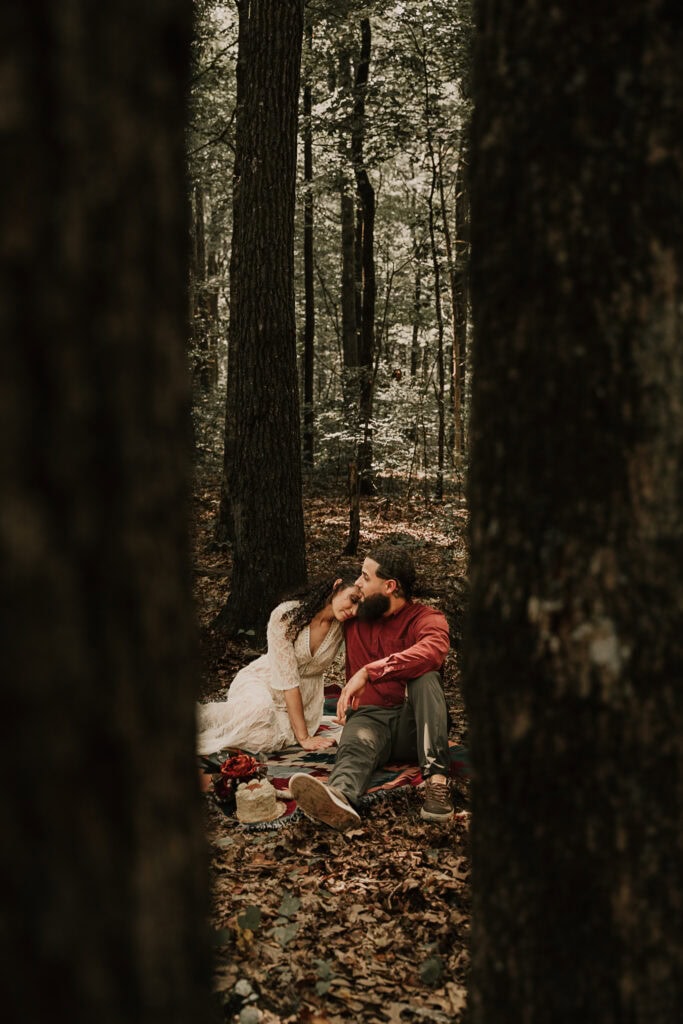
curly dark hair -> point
(313, 599)
(395, 563)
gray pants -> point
(416, 732)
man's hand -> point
(350, 693)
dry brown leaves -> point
(316, 927)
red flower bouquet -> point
(239, 767)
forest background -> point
(380, 271)
(567, 414)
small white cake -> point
(257, 801)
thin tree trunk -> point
(456, 312)
(366, 243)
(417, 312)
(309, 293)
(201, 319)
(440, 387)
(348, 306)
(213, 318)
(354, 510)
(417, 249)
(461, 292)
(225, 524)
(350, 287)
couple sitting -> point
(392, 707)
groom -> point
(393, 706)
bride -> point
(277, 700)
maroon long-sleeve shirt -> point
(396, 649)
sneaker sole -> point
(434, 816)
(318, 803)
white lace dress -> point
(254, 716)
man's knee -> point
(427, 698)
(362, 736)
(429, 685)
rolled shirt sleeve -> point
(427, 654)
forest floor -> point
(311, 925)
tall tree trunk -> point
(265, 470)
(456, 289)
(350, 311)
(225, 524)
(309, 294)
(348, 305)
(103, 854)
(349, 324)
(461, 292)
(575, 650)
(366, 242)
(417, 248)
(417, 313)
(212, 313)
(440, 386)
(436, 185)
(201, 320)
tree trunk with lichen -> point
(575, 650)
(104, 910)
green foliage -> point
(417, 96)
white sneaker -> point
(322, 803)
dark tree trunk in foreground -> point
(265, 472)
(104, 899)
(575, 653)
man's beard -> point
(373, 607)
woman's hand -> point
(317, 742)
(347, 698)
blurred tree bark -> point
(263, 459)
(106, 898)
(575, 651)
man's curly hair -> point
(395, 563)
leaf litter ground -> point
(310, 925)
